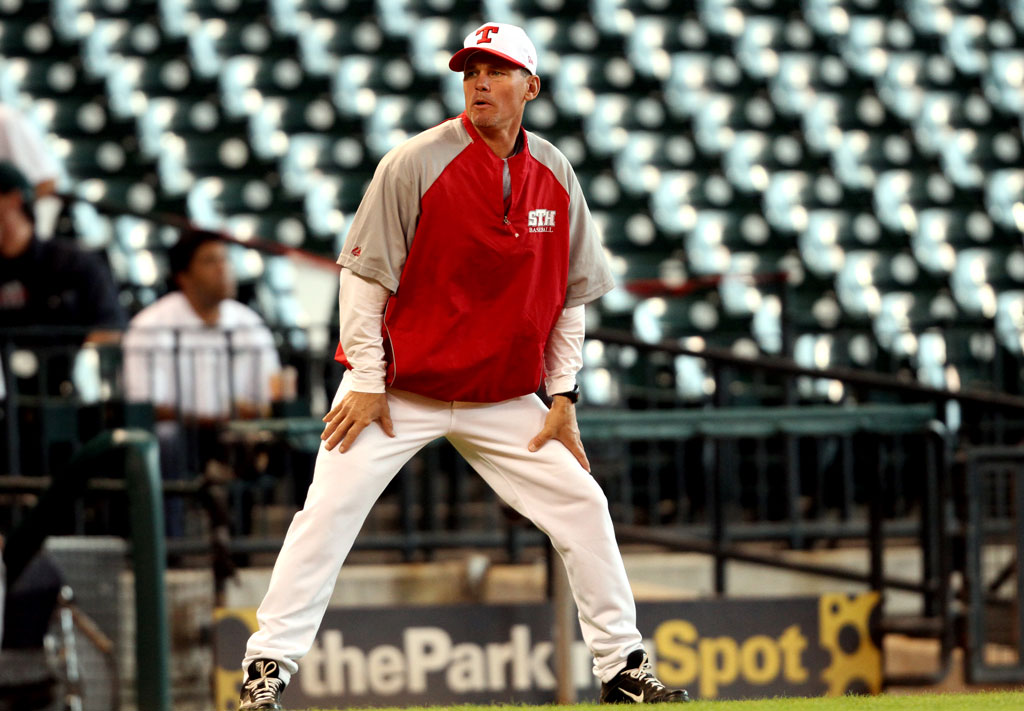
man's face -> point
(496, 91)
(15, 227)
(209, 277)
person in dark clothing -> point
(53, 295)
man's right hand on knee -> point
(352, 415)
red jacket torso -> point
(478, 294)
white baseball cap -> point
(506, 41)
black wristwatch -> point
(573, 395)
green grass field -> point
(989, 701)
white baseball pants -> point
(548, 486)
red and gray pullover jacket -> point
(475, 290)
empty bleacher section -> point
(869, 150)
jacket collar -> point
(523, 141)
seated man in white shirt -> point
(200, 357)
(197, 353)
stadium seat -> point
(930, 361)
(970, 358)
(22, 78)
(322, 43)
(943, 113)
(139, 268)
(395, 118)
(272, 226)
(600, 378)
(302, 10)
(941, 233)
(860, 156)
(278, 118)
(660, 319)
(867, 275)
(981, 273)
(1004, 79)
(181, 116)
(214, 199)
(99, 157)
(92, 231)
(900, 194)
(359, 78)
(721, 116)
(791, 194)
(1009, 321)
(695, 323)
(830, 233)
(969, 156)
(430, 46)
(931, 17)
(29, 35)
(653, 40)
(869, 42)
(72, 116)
(904, 315)
(245, 79)
(311, 158)
(646, 155)
(1004, 195)
(822, 351)
(214, 9)
(247, 264)
(830, 19)
(132, 233)
(680, 194)
(135, 81)
(216, 40)
(828, 115)
(736, 231)
(743, 290)
(801, 76)
(764, 37)
(614, 18)
(694, 75)
(607, 126)
(627, 231)
(138, 194)
(971, 38)
(754, 156)
(908, 76)
(600, 188)
(728, 17)
(110, 40)
(75, 19)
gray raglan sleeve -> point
(589, 274)
(381, 233)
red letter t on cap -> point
(485, 33)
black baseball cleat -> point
(636, 684)
(261, 690)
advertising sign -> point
(462, 654)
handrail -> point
(788, 366)
(603, 423)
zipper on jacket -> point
(508, 224)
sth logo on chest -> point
(541, 221)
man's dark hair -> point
(13, 180)
(184, 250)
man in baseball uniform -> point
(465, 275)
